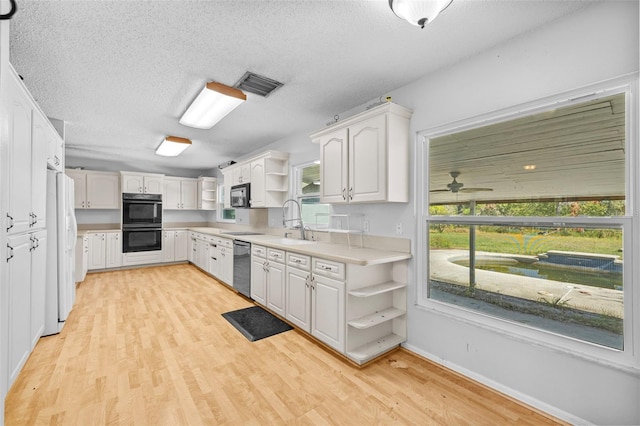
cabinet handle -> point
(83, 204)
(182, 205)
(10, 225)
(35, 218)
(306, 281)
(344, 197)
(88, 204)
(10, 253)
(313, 287)
(350, 193)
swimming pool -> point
(563, 273)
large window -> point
(307, 190)
(528, 220)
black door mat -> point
(255, 323)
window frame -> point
(296, 171)
(627, 358)
(221, 208)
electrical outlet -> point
(398, 229)
(365, 226)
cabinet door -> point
(298, 298)
(334, 167)
(171, 196)
(214, 266)
(276, 290)
(153, 184)
(79, 187)
(228, 183)
(258, 280)
(113, 253)
(41, 136)
(103, 190)
(18, 119)
(180, 246)
(368, 160)
(38, 285)
(132, 183)
(19, 284)
(191, 248)
(168, 246)
(327, 310)
(227, 265)
(97, 251)
(258, 194)
(188, 194)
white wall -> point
(595, 44)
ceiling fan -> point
(456, 186)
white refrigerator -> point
(62, 231)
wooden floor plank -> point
(149, 347)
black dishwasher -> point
(242, 267)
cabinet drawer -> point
(328, 268)
(259, 251)
(225, 242)
(275, 255)
(299, 261)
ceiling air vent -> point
(257, 84)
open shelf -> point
(277, 174)
(377, 289)
(373, 349)
(376, 318)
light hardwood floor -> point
(150, 347)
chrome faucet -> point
(300, 225)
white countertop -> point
(336, 252)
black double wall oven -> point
(141, 222)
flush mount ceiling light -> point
(418, 12)
(212, 105)
(173, 146)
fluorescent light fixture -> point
(529, 167)
(418, 12)
(212, 105)
(173, 146)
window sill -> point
(601, 355)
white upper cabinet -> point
(334, 166)
(180, 193)
(94, 189)
(241, 174)
(24, 135)
(365, 158)
(142, 183)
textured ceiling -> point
(121, 73)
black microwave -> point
(241, 196)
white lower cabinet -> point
(38, 284)
(82, 257)
(175, 245)
(26, 264)
(314, 302)
(212, 254)
(97, 251)
(225, 260)
(168, 246)
(105, 250)
(113, 250)
(268, 278)
(258, 274)
(358, 310)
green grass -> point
(517, 243)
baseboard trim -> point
(534, 404)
